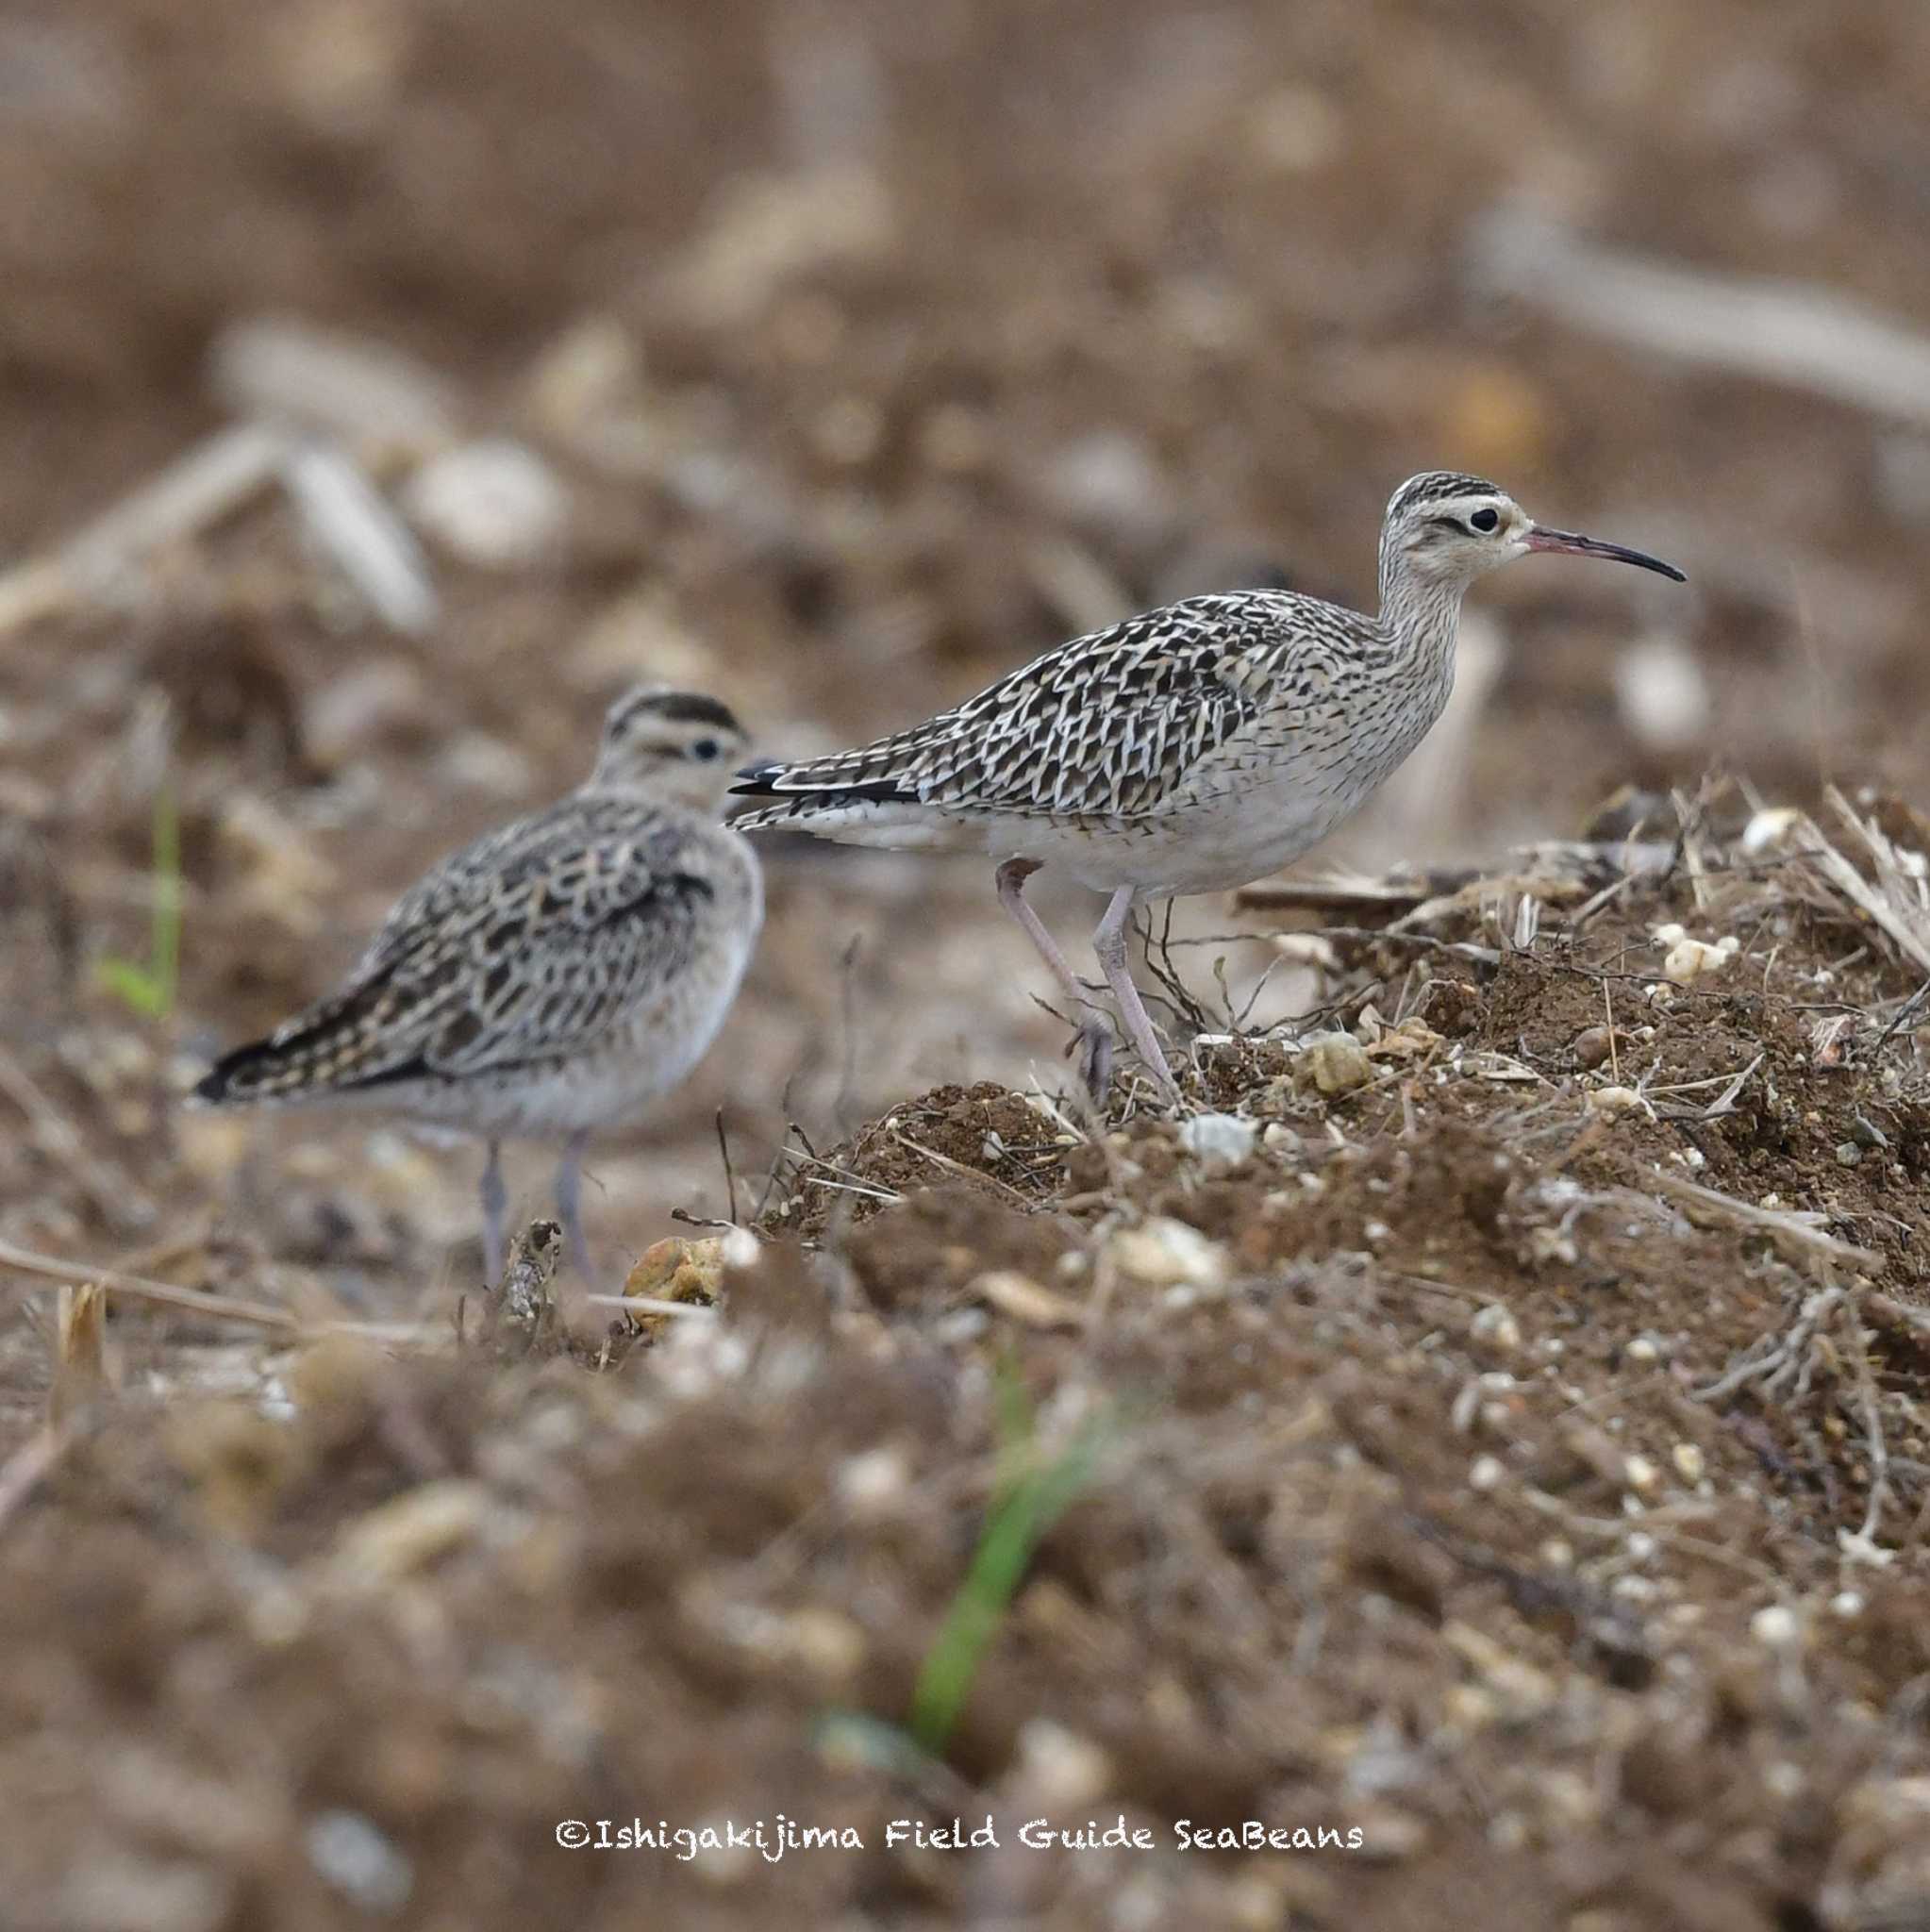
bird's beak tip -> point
(1570, 544)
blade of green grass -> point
(1028, 1499)
(150, 989)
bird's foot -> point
(1090, 1051)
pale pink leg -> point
(1110, 943)
(1096, 1036)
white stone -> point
(1662, 692)
(1167, 1254)
(495, 503)
(1219, 1139)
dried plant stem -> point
(194, 1300)
(1789, 1230)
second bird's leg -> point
(569, 1201)
(1110, 943)
(495, 1208)
(1096, 1036)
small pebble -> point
(1219, 1139)
(1688, 1461)
(872, 1481)
(1768, 828)
(1848, 1154)
(359, 1862)
(1690, 960)
(1496, 1326)
(1165, 1253)
(1486, 1473)
(1592, 1047)
(1060, 1768)
(1335, 1062)
(1775, 1626)
(495, 503)
(1662, 692)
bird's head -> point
(1447, 529)
(679, 745)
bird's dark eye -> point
(1483, 520)
(705, 749)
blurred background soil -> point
(835, 357)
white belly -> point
(1208, 848)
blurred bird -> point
(554, 977)
(1194, 749)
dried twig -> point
(1795, 1232)
(1462, 949)
(958, 1167)
(350, 520)
(1791, 332)
(1158, 953)
(649, 1304)
(363, 392)
(730, 1170)
(192, 494)
(194, 1300)
(1723, 1104)
(1904, 1014)
(1899, 913)
(80, 1359)
(1335, 892)
(1776, 1359)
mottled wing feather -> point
(526, 946)
(1107, 725)
(444, 889)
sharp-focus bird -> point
(1192, 749)
(555, 976)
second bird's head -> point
(1448, 529)
(679, 745)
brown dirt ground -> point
(1457, 1481)
(1459, 1477)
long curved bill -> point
(1572, 545)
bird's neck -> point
(1419, 616)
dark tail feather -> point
(766, 781)
(255, 1071)
(329, 1055)
(757, 780)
